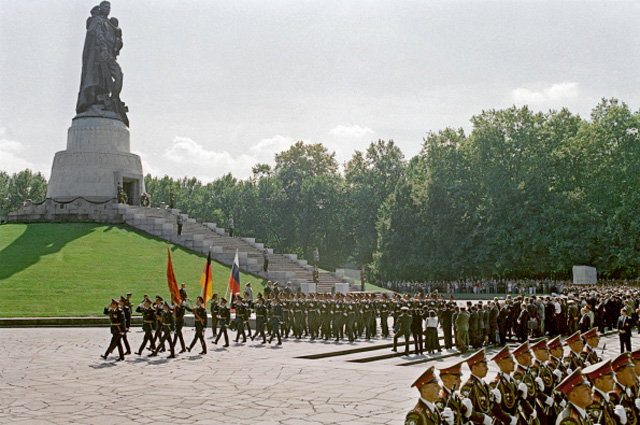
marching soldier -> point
(540, 369)
(589, 355)
(179, 310)
(451, 380)
(601, 410)
(477, 390)
(578, 393)
(126, 311)
(168, 324)
(214, 315)
(200, 315)
(277, 314)
(261, 318)
(574, 360)
(224, 317)
(426, 411)
(524, 375)
(622, 393)
(158, 323)
(508, 397)
(116, 317)
(384, 315)
(148, 321)
(241, 312)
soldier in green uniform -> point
(261, 319)
(241, 312)
(450, 377)
(541, 370)
(507, 395)
(148, 321)
(168, 325)
(298, 318)
(325, 318)
(224, 317)
(635, 389)
(179, 309)
(313, 317)
(622, 394)
(477, 390)
(462, 330)
(402, 328)
(589, 354)
(383, 311)
(602, 409)
(200, 315)
(573, 360)
(116, 317)
(524, 375)
(126, 311)
(577, 391)
(426, 412)
(277, 314)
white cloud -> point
(11, 157)
(555, 95)
(265, 149)
(350, 131)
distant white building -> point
(585, 275)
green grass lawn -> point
(75, 269)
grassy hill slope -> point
(75, 269)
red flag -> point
(234, 279)
(205, 281)
(171, 280)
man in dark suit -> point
(624, 326)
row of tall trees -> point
(18, 187)
(523, 195)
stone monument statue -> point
(101, 79)
(98, 159)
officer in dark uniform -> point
(214, 315)
(116, 317)
(577, 391)
(148, 321)
(127, 323)
(313, 316)
(402, 328)
(241, 312)
(426, 411)
(200, 315)
(183, 292)
(158, 323)
(168, 325)
(383, 311)
(446, 322)
(224, 318)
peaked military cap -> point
(521, 349)
(591, 333)
(573, 338)
(426, 378)
(635, 355)
(597, 370)
(476, 357)
(502, 354)
(540, 345)
(570, 382)
(621, 361)
(454, 369)
(554, 343)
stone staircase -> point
(205, 237)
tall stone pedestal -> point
(97, 158)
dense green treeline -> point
(523, 195)
(17, 188)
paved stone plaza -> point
(55, 376)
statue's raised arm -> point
(101, 80)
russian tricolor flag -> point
(234, 279)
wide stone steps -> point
(207, 237)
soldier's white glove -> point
(497, 397)
(587, 364)
(468, 407)
(514, 420)
(523, 389)
(558, 374)
(487, 420)
(548, 401)
(534, 414)
(638, 403)
(540, 383)
(563, 403)
(447, 415)
(619, 412)
(569, 372)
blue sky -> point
(217, 86)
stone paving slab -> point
(55, 376)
